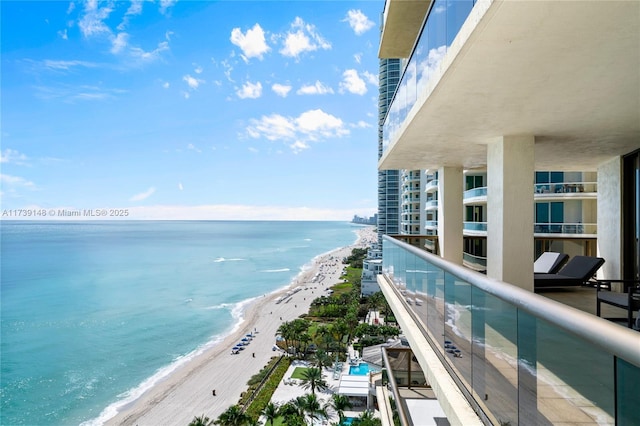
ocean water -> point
(94, 313)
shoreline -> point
(186, 391)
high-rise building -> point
(493, 93)
(388, 180)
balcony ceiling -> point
(567, 72)
(402, 23)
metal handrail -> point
(619, 341)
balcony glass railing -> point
(475, 226)
(431, 224)
(431, 185)
(442, 25)
(565, 228)
(475, 262)
(431, 204)
(475, 192)
(518, 357)
(565, 187)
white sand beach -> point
(187, 392)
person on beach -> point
(213, 392)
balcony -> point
(475, 195)
(477, 263)
(516, 357)
(475, 228)
(566, 228)
(431, 186)
(474, 62)
(431, 205)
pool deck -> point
(290, 388)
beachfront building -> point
(388, 180)
(502, 92)
(371, 268)
(412, 202)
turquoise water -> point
(93, 314)
(347, 421)
(361, 369)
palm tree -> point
(201, 421)
(311, 406)
(322, 359)
(270, 412)
(312, 378)
(293, 413)
(367, 419)
(339, 403)
(232, 417)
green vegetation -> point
(266, 391)
(320, 336)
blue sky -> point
(191, 109)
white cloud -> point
(198, 69)
(357, 57)
(192, 82)
(252, 43)
(143, 195)
(244, 212)
(165, 85)
(358, 21)
(297, 132)
(166, 4)
(302, 38)
(63, 34)
(16, 182)
(281, 89)
(273, 127)
(180, 187)
(299, 146)
(149, 56)
(371, 78)
(352, 83)
(91, 23)
(71, 7)
(316, 123)
(119, 42)
(12, 156)
(314, 89)
(186, 94)
(362, 124)
(61, 65)
(192, 147)
(250, 90)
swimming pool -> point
(361, 369)
(347, 421)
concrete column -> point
(510, 210)
(450, 213)
(610, 218)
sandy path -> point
(188, 391)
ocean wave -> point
(129, 397)
(222, 259)
(277, 270)
(221, 306)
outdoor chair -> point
(578, 271)
(549, 262)
(628, 300)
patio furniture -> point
(628, 299)
(549, 262)
(578, 271)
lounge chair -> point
(576, 272)
(628, 300)
(549, 262)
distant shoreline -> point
(187, 390)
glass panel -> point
(457, 12)
(458, 326)
(565, 394)
(495, 357)
(628, 386)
